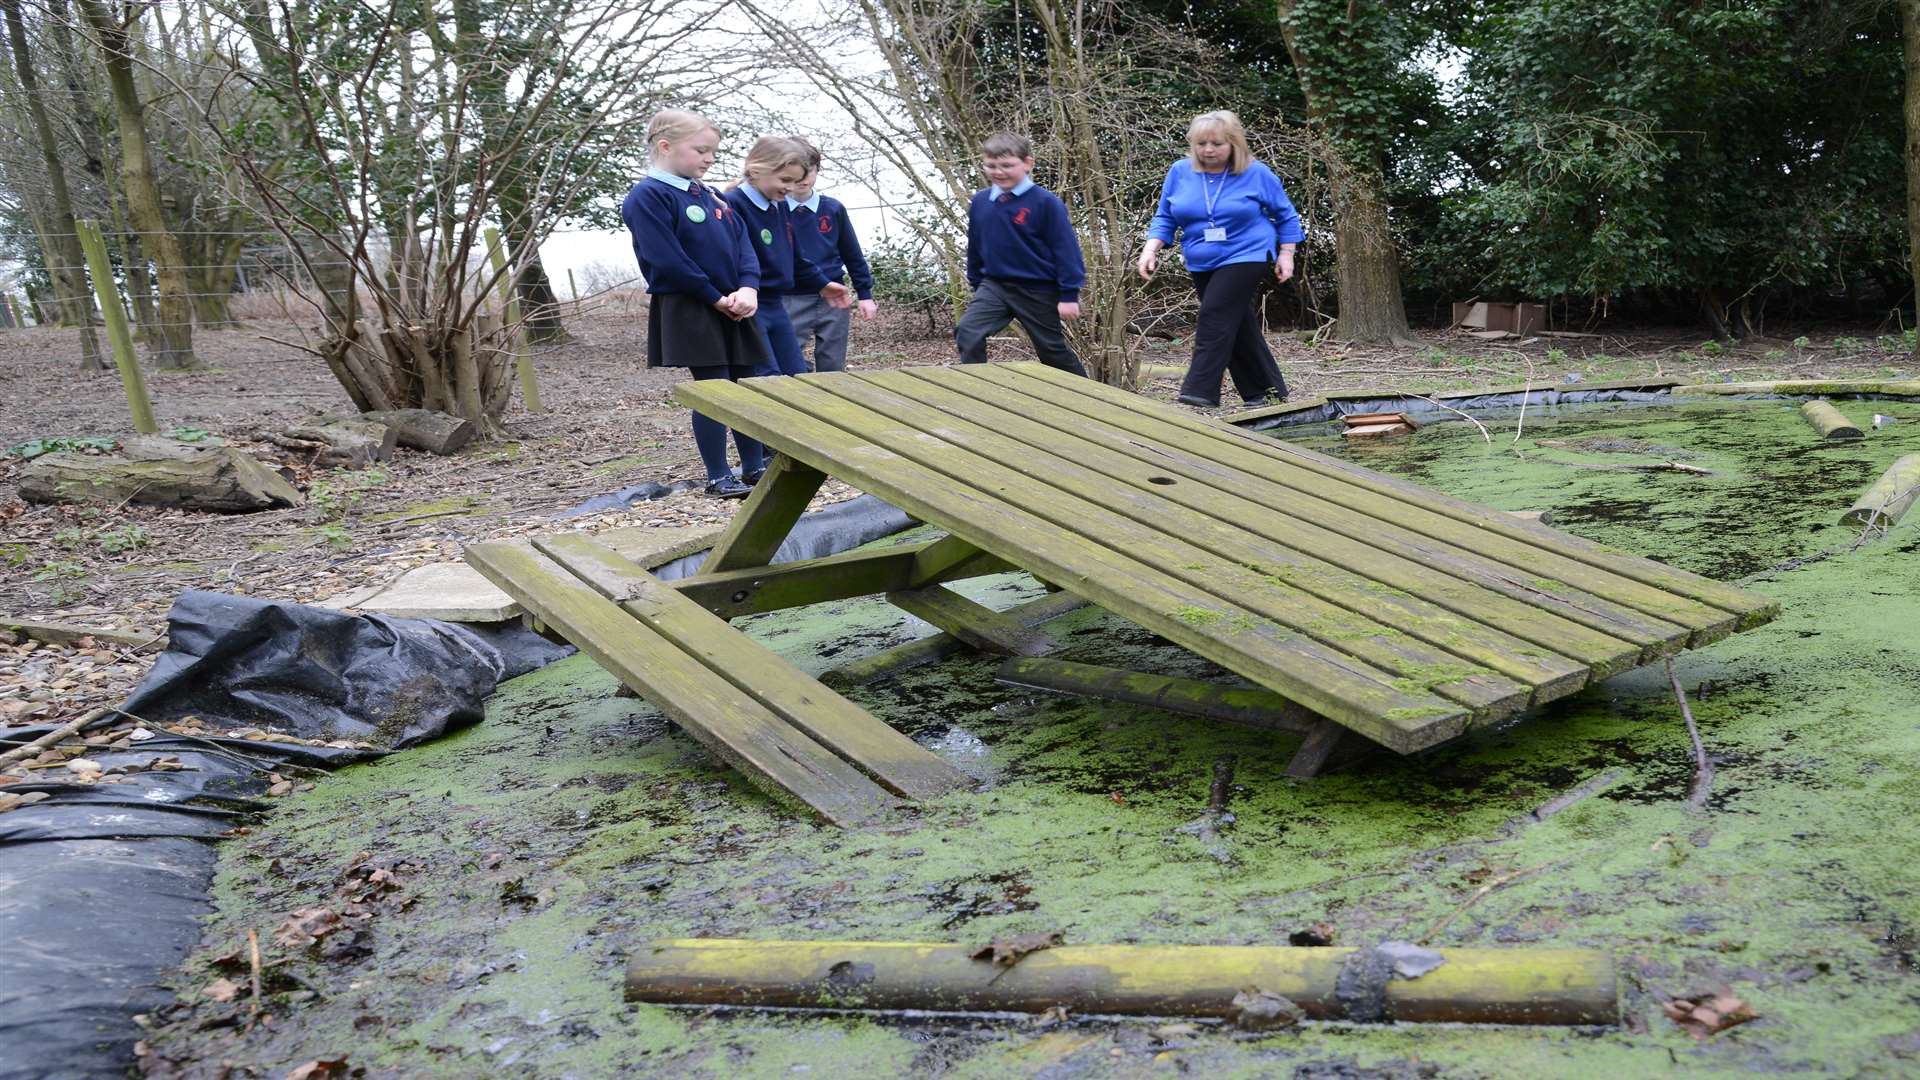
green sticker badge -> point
(766, 237)
(696, 215)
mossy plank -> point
(981, 627)
(751, 590)
(768, 751)
(1322, 679)
(1438, 606)
(1887, 500)
(767, 516)
(1227, 591)
(1245, 705)
(1386, 627)
(1806, 387)
(897, 762)
(1709, 609)
(908, 655)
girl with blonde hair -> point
(702, 282)
(1234, 220)
(774, 167)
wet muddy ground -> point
(501, 875)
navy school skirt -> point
(684, 332)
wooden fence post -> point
(510, 317)
(117, 331)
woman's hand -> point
(1149, 260)
(1283, 267)
(868, 309)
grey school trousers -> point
(997, 303)
(824, 326)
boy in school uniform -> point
(1023, 259)
(823, 236)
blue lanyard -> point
(1211, 194)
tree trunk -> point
(173, 337)
(1371, 307)
(65, 264)
(1910, 45)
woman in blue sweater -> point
(1234, 221)
(773, 167)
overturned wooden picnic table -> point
(1362, 604)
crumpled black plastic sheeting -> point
(323, 674)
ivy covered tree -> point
(1710, 153)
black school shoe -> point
(727, 487)
(753, 477)
(1199, 402)
(1271, 397)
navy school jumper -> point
(826, 239)
(1026, 239)
(687, 243)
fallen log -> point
(161, 472)
(1390, 982)
(1829, 421)
(63, 633)
(424, 429)
(341, 444)
(1890, 497)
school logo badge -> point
(826, 224)
(766, 237)
(696, 215)
(1020, 215)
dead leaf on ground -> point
(306, 926)
(221, 990)
(1319, 934)
(1006, 952)
(1709, 1014)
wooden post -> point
(516, 334)
(118, 334)
(573, 291)
(1367, 985)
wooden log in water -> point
(1829, 421)
(1889, 498)
(1483, 986)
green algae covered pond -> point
(528, 854)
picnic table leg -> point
(767, 517)
(1315, 749)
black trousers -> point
(997, 303)
(1227, 337)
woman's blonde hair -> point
(673, 125)
(772, 153)
(1224, 122)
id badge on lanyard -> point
(1214, 234)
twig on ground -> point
(253, 963)
(1479, 894)
(1483, 428)
(1661, 466)
(21, 753)
(1702, 764)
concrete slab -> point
(455, 592)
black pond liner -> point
(103, 887)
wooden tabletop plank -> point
(1321, 679)
(768, 751)
(897, 762)
(1235, 563)
(1523, 626)
(1537, 554)
(1751, 609)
